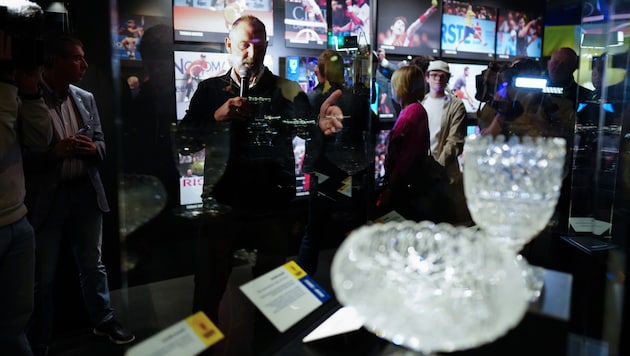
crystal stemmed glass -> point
(217, 153)
(141, 198)
(349, 149)
(260, 126)
(512, 187)
(429, 287)
(303, 129)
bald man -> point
(560, 68)
(258, 181)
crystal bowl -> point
(427, 287)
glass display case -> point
(157, 249)
(598, 226)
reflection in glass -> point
(349, 150)
(302, 137)
(217, 151)
(141, 197)
(262, 128)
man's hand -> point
(331, 116)
(233, 109)
(63, 148)
(79, 145)
(84, 146)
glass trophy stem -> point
(534, 278)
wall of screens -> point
(466, 30)
(209, 21)
(409, 28)
(465, 33)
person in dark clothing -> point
(150, 163)
(66, 199)
(333, 156)
(149, 117)
(24, 124)
(243, 111)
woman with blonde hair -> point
(408, 148)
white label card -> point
(187, 337)
(342, 321)
(285, 295)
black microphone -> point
(244, 73)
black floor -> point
(149, 308)
(145, 310)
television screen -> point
(603, 11)
(302, 179)
(468, 30)
(380, 151)
(409, 28)
(462, 84)
(385, 107)
(305, 24)
(191, 177)
(209, 21)
(519, 34)
(350, 23)
(472, 128)
(191, 168)
(301, 70)
(129, 34)
(192, 67)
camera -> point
(487, 81)
(496, 85)
(23, 21)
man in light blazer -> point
(447, 130)
(65, 196)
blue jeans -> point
(16, 278)
(75, 216)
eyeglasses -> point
(434, 75)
